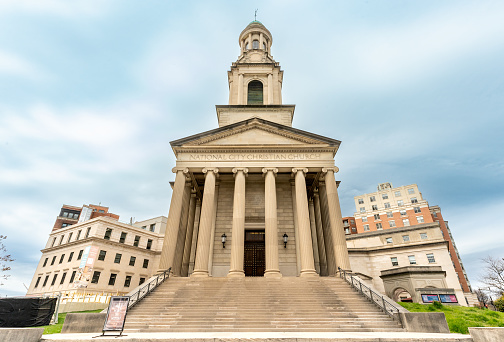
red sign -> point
(116, 314)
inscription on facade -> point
(254, 156)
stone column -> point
(195, 236)
(212, 235)
(271, 221)
(313, 230)
(172, 226)
(320, 234)
(261, 39)
(326, 225)
(205, 228)
(305, 241)
(189, 235)
(296, 227)
(179, 248)
(337, 230)
(238, 228)
(240, 89)
(270, 88)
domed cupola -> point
(255, 38)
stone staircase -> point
(257, 305)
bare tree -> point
(482, 296)
(4, 260)
(493, 275)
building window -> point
(388, 240)
(149, 244)
(101, 255)
(108, 233)
(362, 209)
(364, 219)
(137, 241)
(412, 260)
(69, 237)
(352, 221)
(45, 280)
(152, 227)
(61, 258)
(117, 258)
(384, 196)
(132, 261)
(372, 199)
(405, 222)
(400, 203)
(417, 210)
(434, 214)
(112, 279)
(376, 216)
(374, 207)
(64, 225)
(423, 236)
(414, 200)
(61, 239)
(361, 201)
(405, 238)
(142, 280)
(394, 261)
(391, 223)
(420, 219)
(411, 191)
(387, 205)
(45, 262)
(87, 232)
(402, 212)
(72, 277)
(389, 214)
(70, 256)
(145, 263)
(144, 227)
(37, 282)
(63, 276)
(53, 242)
(78, 235)
(96, 277)
(127, 281)
(80, 254)
(366, 227)
(53, 260)
(347, 231)
(397, 194)
(123, 237)
(54, 279)
(255, 93)
(255, 44)
(379, 226)
(430, 258)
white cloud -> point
(71, 9)
(12, 64)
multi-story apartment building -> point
(402, 207)
(70, 215)
(349, 225)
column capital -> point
(302, 169)
(267, 169)
(212, 169)
(335, 169)
(185, 170)
(236, 169)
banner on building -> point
(85, 271)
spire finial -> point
(255, 15)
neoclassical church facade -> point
(255, 196)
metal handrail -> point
(145, 290)
(374, 297)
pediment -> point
(254, 136)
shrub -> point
(499, 304)
(437, 305)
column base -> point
(236, 274)
(308, 273)
(200, 274)
(272, 274)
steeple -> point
(255, 81)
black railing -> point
(374, 297)
(148, 288)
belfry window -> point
(255, 44)
(255, 93)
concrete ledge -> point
(72, 307)
(425, 322)
(20, 334)
(487, 334)
(83, 323)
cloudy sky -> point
(92, 92)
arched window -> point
(255, 93)
(255, 44)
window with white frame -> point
(379, 226)
(376, 216)
(372, 199)
(420, 219)
(411, 191)
(405, 222)
(430, 258)
(374, 207)
(412, 260)
(384, 196)
(391, 223)
(414, 200)
(387, 205)
(402, 212)
(397, 194)
(362, 209)
(388, 240)
(361, 201)
(364, 219)
(423, 236)
(394, 261)
(434, 214)
(417, 210)
(366, 227)
(390, 214)
(400, 203)
(405, 238)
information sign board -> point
(429, 298)
(116, 314)
(448, 298)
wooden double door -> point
(254, 262)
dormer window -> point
(255, 44)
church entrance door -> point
(254, 262)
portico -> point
(253, 180)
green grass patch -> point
(56, 328)
(460, 318)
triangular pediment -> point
(254, 136)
